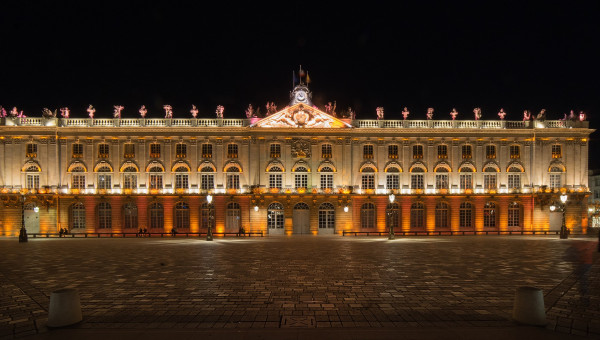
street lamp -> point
(564, 232)
(23, 231)
(392, 211)
(209, 235)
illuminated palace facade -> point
(299, 170)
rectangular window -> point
(301, 180)
(556, 151)
(597, 182)
(232, 151)
(31, 151)
(466, 181)
(156, 181)
(467, 152)
(393, 151)
(275, 181)
(104, 181)
(181, 150)
(77, 150)
(555, 180)
(181, 181)
(392, 181)
(207, 181)
(129, 181)
(326, 181)
(490, 151)
(78, 182)
(368, 151)
(416, 182)
(326, 151)
(442, 151)
(417, 151)
(207, 150)
(441, 181)
(233, 181)
(155, 150)
(275, 150)
(129, 150)
(103, 151)
(515, 152)
(514, 181)
(33, 181)
(368, 181)
(489, 182)
(596, 194)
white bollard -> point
(528, 307)
(65, 308)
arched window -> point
(77, 215)
(207, 215)
(441, 216)
(466, 177)
(157, 216)
(233, 177)
(275, 179)
(489, 215)
(301, 177)
(417, 215)
(556, 176)
(514, 214)
(367, 216)
(207, 178)
(417, 178)
(104, 215)
(233, 220)
(466, 215)
(392, 215)
(129, 177)
(156, 177)
(130, 216)
(275, 216)
(326, 216)
(181, 177)
(182, 216)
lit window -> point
(232, 151)
(155, 150)
(275, 150)
(207, 150)
(490, 151)
(417, 151)
(31, 151)
(368, 151)
(77, 150)
(103, 150)
(467, 152)
(442, 151)
(181, 150)
(393, 151)
(556, 151)
(326, 151)
(515, 152)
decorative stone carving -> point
(301, 148)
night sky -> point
(511, 55)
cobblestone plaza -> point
(301, 281)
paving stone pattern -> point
(303, 281)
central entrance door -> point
(301, 219)
(275, 219)
(32, 218)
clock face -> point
(301, 96)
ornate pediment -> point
(301, 116)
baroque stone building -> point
(299, 170)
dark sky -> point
(514, 55)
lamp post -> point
(564, 232)
(209, 235)
(23, 231)
(391, 235)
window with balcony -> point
(33, 181)
(77, 150)
(417, 151)
(515, 152)
(556, 151)
(207, 150)
(103, 150)
(129, 150)
(467, 152)
(393, 151)
(326, 151)
(180, 150)
(275, 150)
(154, 150)
(31, 151)
(368, 151)
(490, 151)
(232, 151)
(442, 151)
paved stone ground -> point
(309, 281)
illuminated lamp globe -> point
(563, 198)
(256, 208)
(552, 207)
(346, 209)
(209, 199)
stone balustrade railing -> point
(358, 123)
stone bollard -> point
(528, 307)
(65, 308)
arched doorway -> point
(275, 219)
(301, 218)
(32, 218)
